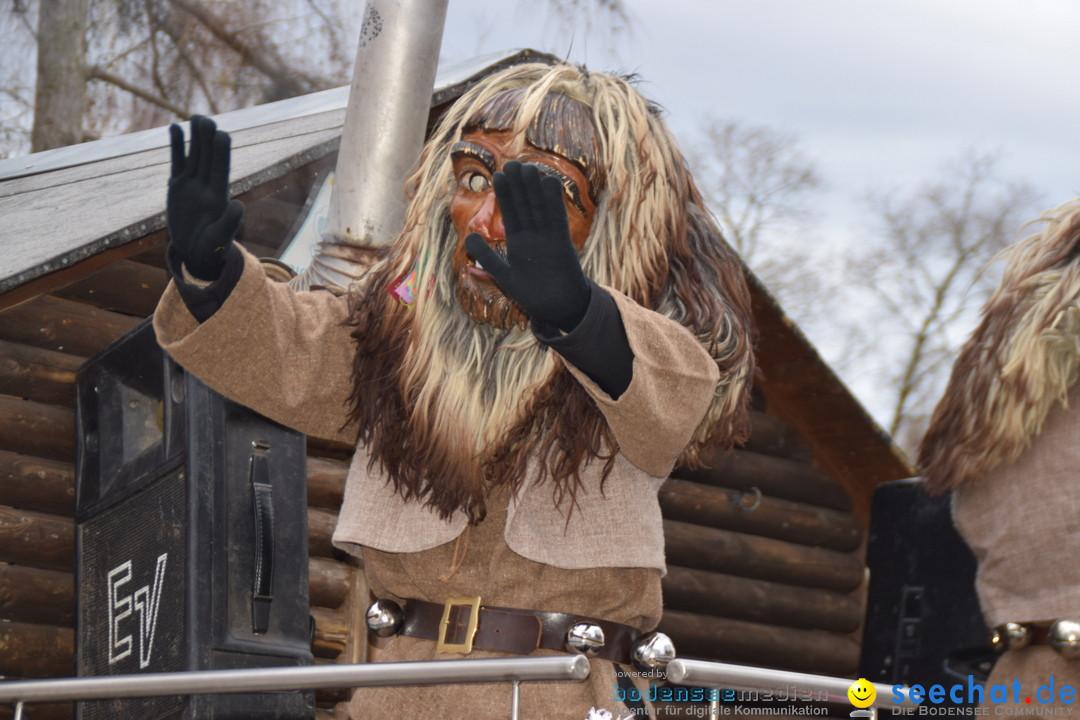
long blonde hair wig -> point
(451, 408)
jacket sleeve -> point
(672, 384)
(285, 354)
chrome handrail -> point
(208, 682)
(700, 673)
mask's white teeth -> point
(477, 264)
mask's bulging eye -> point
(477, 183)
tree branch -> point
(97, 73)
(252, 55)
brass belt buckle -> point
(465, 647)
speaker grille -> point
(132, 603)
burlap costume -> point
(510, 440)
(606, 561)
(1006, 440)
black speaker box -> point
(923, 623)
(191, 537)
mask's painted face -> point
(476, 157)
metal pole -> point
(208, 682)
(709, 674)
(515, 701)
(385, 122)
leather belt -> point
(462, 623)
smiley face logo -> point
(862, 693)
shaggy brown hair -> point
(1021, 360)
(451, 408)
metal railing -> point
(207, 682)
(699, 673)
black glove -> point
(541, 273)
(201, 219)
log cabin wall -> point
(765, 547)
(43, 341)
(766, 554)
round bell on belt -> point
(1010, 636)
(585, 638)
(1065, 638)
(653, 651)
(384, 618)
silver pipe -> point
(389, 102)
(515, 701)
(208, 682)
(711, 674)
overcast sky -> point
(879, 93)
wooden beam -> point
(36, 374)
(719, 595)
(124, 286)
(329, 582)
(33, 595)
(34, 483)
(65, 276)
(773, 476)
(321, 524)
(36, 429)
(748, 512)
(750, 556)
(326, 482)
(771, 436)
(63, 325)
(35, 651)
(738, 641)
(37, 540)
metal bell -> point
(384, 618)
(653, 651)
(1010, 636)
(585, 638)
(1065, 638)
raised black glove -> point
(541, 272)
(201, 219)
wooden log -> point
(738, 598)
(771, 436)
(329, 581)
(36, 374)
(749, 512)
(776, 477)
(32, 483)
(331, 449)
(749, 556)
(124, 286)
(33, 428)
(331, 632)
(61, 711)
(37, 540)
(326, 482)
(36, 651)
(738, 641)
(63, 325)
(321, 524)
(32, 595)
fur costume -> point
(486, 463)
(1005, 440)
(652, 240)
(1020, 362)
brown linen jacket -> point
(288, 355)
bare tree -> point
(60, 98)
(926, 274)
(143, 63)
(761, 188)
(148, 62)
